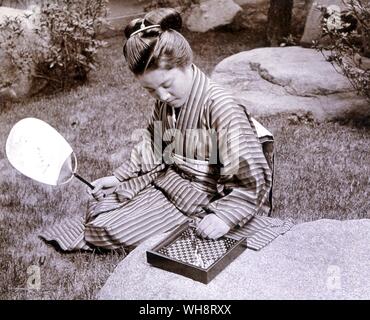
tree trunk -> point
(279, 21)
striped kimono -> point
(207, 159)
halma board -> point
(185, 253)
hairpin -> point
(145, 28)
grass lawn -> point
(322, 169)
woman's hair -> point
(161, 45)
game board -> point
(185, 253)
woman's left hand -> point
(212, 227)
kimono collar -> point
(190, 111)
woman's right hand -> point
(101, 185)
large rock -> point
(324, 259)
(250, 2)
(289, 79)
(18, 82)
(254, 15)
(210, 14)
(313, 29)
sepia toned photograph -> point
(185, 150)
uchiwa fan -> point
(39, 152)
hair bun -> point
(133, 26)
(167, 18)
(171, 21)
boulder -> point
(210, 14)
(16, 83)
(324, 259)
(17, 13)
(289, 79)
(251, 2)
(313, 29)
(254, 15)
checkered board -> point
(207, 251)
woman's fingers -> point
(206, 226)
(98, 195)
(97, 192)
(102, 187)
(215, 234)
(212, 227)
(211, 232)
(205, 231)
(202, 225)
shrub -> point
(64, 42)
(348, 32)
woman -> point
(200, 157)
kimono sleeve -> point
(245, 174)
(145, 156)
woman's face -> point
(168, 85)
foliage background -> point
(54, 46)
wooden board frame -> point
(205, 276)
